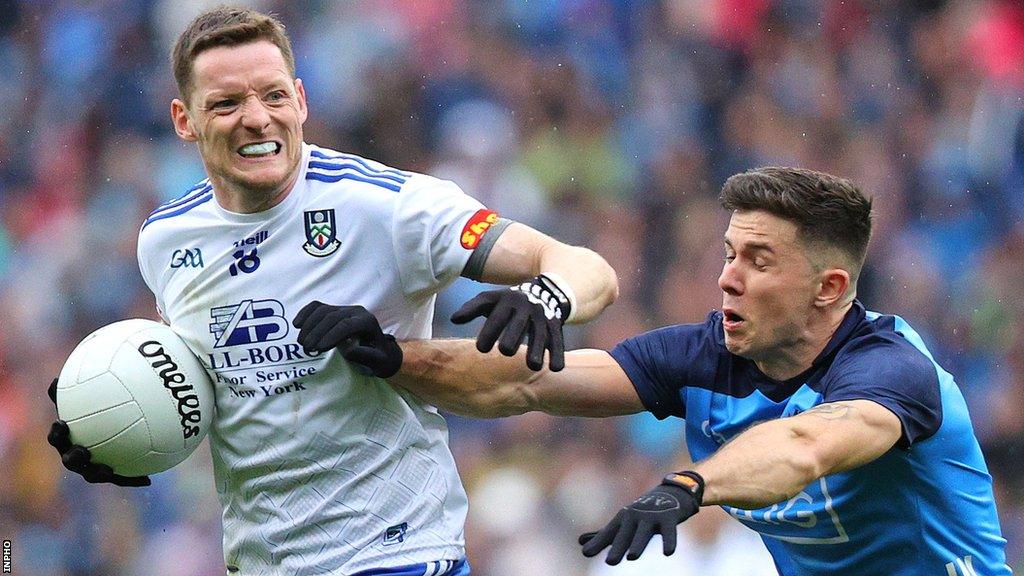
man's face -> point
(245, 113)
(768, 285)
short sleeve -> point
(663, 362)
(427, 228)
(893, 373)
(148, 274)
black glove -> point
(78, 459)
(656, 512)
(535, 310)
(354, 331)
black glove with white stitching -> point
(534, 310)
(354, 330)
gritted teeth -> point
(259, 149)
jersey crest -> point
(321, 233)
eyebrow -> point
(752, 246)
(219, 93)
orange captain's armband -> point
(476, 227)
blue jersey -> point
(923, 508)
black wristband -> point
(688, 480)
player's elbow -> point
(599, 279)
(608, 278)
(612, 283)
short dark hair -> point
(225, 26)
(826, 209)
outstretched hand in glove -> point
(658, 511)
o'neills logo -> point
(174, 381)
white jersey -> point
(319, 469)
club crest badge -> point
(320, 233)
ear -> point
(300, 93)
(182, 122)
(832, 287)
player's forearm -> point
(775, 460)
(454, 376)
(591, 279)
(767, 464)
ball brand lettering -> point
(173, 379)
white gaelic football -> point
(134, 394)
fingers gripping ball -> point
(136, 397)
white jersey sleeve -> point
(146, 268)
(429, 221)
(154, 264)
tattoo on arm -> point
(830, 411)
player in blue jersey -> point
(305, 266)
(827, 428)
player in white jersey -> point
(321, 466)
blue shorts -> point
(438, 568)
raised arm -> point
(453, 375)
(552, 283)
(521, 253)
(765, 465)
(775, 460)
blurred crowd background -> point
(607, 123)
